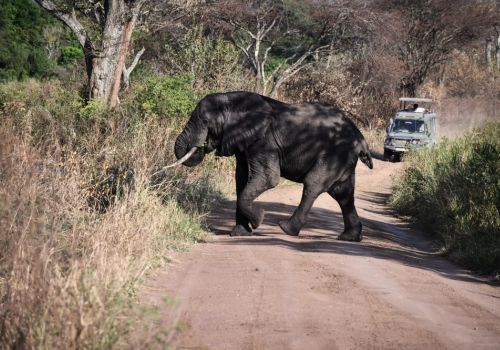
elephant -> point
(312, 144)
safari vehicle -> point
(413, 127)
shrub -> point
(22, 45)
(453, 189)
(170, 96)
(70, 53)
(69, 272)
(213, 63)
(94, 109)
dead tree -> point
(257, 27)
(431, 30)
(104, 30)
(489, 53)
(497, 49)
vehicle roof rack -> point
(414, 99)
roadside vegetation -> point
(82, 218)
(453, 190)
(83, 214)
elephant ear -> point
(245, 122)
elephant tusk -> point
(180, 161)
(183, 159)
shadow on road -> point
(398, 242)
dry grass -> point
(81, 222)
(375, 139)
(453, 190)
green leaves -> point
(454, 190)
(70, 53)
(170, 96)
(22, 51)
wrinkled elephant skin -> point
(312, 144)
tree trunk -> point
(120, 65)
(497, 50)
(488, 53)
(108, 63)
(105, 67)
(105, 62)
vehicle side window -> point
(420, 126)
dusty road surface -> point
(272, 291)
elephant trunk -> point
(181, 145)
(191, 137)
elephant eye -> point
(204, 121)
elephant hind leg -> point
(317, 181)
(293, 225)
(343, 193)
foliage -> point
(454, 190)
(94, 109)
(22, 52)
(170, 96)
(70, 53)
(432, 30)
(82, 219)
(212, 63)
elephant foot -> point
(257, 219)
(289, 229)
(352, 235)
(240, 230)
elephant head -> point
(227, 123)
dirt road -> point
(272, 291)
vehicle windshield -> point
(408, 126)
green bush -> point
(170, 96)
(94, 109)
(454, 190)
(22, 45)
(70, 53)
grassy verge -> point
(454, 190)
(375, 139)
(82, 219)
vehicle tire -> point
(387, 155)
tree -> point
(104, 30)
(22, 51)
(279, 39)
(431, 29)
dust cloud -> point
(457, 116)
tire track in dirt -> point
(272, 291)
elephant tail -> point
(364, 154)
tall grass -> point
(454, 190)
(82, 219)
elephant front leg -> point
(262, 174)
(293, 225)
(242, 227)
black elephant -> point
(312, 144)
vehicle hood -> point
(406, 136)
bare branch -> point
(246, 52)
(135, 61)
(68, 18)
(269, 27)
(127, 71)
(239, 26)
